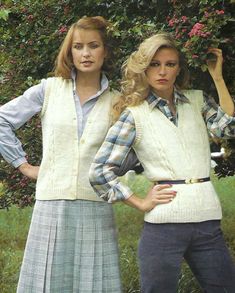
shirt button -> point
(82, 141)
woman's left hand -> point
(215, 66)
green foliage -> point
(32, 31)
(4, 13)
(198, 32)
(14, 226)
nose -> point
(86, 51)
(162, 70)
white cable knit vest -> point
(66, 160)
(169, 152)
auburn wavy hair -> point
(134, 85)
(64, 60)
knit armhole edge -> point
(137, 127)
(47, 94)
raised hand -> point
(215, 65)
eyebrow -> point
(75, 42)
(171, 60)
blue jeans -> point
(162, 248)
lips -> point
(162, 80)
(86, 62)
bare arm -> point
(215, 70)
(159, 194)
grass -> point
(14, 226)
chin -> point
(87, 70)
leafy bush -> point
(32, 31)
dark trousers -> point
(162, 248)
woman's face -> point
(162, 72)
(88, 51)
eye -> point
(154, 64)
(171, 64)
(94, 45)
(78, 46)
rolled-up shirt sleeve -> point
(12, 116)
(219, 123)
(112, 153)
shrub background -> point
(32, 31)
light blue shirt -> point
(17, 112)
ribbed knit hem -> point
(58, 194)
(184, 216)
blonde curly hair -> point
(134, 85)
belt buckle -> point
(191, 181)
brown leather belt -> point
(185, 181)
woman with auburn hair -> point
(167, 126)
(71, 246)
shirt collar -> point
(104, 83)
(156, 101)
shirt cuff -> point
(16, 163)
(118, 192)
(223, 119)
(221, 113)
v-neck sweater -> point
(181, 152)
(66, 159)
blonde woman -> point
(71, 245)
(167, 127)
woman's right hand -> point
(158, 194)
(29, 170)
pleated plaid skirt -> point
(71, 248)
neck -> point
(169, 96)
(87, 85)
(88, 80)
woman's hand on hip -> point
(159, 194)
(29, 171)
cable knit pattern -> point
(169, 152)
(66, 159)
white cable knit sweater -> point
(169, 152)
(66, 159)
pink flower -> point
(30, 17)
(178, 36)
(198, 26)
(206, 14)
(63, 29)
(196, 30)
(171, 22)
(184, 18)
(219, 11)
(194, 56)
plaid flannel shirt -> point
(121, 137)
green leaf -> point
(204, 67)
(4, 14)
